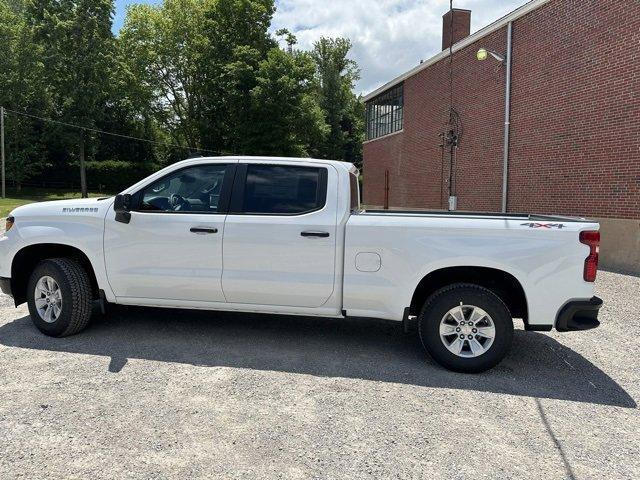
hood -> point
(79, 206)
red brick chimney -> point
(461, 26)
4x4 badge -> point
(543, 225)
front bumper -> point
(579, 315)
(5, 285)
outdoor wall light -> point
(483, 54)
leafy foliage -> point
(77, 50)
(202, 75)
(284, 117)
(116, 175)
(21, 76)
(344, 115)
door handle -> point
(315, 234)
(203, 230)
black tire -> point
(444, 300)
(77, 297)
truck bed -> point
(400, 247)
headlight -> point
(8, 223)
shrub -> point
(115, 175)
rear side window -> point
(284, 190)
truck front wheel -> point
(59, 297)
(466, 328)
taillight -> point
(592, 239)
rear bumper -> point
(5, 285)
(579, 315)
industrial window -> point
(385, 113)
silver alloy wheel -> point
(48, 299)
(467, 331)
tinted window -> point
(272, 189)
(194, 189)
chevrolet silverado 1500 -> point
(288, 236)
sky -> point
(389, 36)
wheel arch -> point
(502, 283)
(26, 259)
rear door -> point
(279, 242)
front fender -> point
(84, 233)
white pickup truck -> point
(288, 236)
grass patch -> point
(30, 195)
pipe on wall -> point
(386, 189)
(507, 121)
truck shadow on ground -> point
(538, 365)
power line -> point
(103, 132)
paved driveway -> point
(150, 393)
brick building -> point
(574, 139)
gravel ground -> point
(148, 393)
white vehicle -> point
(288, 236)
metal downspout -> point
(507, 122)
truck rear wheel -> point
(466, 328)
(59, 297)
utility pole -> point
(4, 192)
(83, 173)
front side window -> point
(194, 189)
(385, 113)
(284, 190)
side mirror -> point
(122, 203)
(122, 207)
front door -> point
(280, 236)
(171, 249)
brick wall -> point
(575, 133)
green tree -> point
(207, 73)
(239, 39)
(285, 119)
(289, 38)
(202, 74)
(337, 75)
(162, 47)
(77, 50)
(78, 53)
(21, 78)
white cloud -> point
(389, 36)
